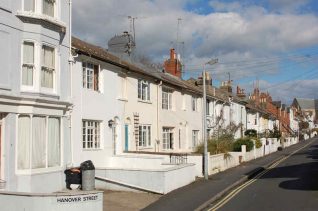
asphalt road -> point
(291, 184)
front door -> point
(126, 137)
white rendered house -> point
(34, 95)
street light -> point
(206, 173)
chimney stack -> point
(173, 64)
(208, 80)
(240, 93)
(226, 86)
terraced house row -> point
(64, 101)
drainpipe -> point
(71, 61)
(158, 110)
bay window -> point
(45, 7)
(29, 5)
(48, 7)
(39, 142)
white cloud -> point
(247, 32)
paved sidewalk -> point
(192, 196)
(129, 201)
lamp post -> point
(206, 173)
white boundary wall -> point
(221, 162)
(154, 180)
(68, 201)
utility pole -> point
(206, 168)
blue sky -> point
(273, 41)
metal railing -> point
(178, 158)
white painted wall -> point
(98, 106)
(160, 180)
(39, 202)
(16, 100)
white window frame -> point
(144, 136)
(167, 138)
(166, 99)
(23, 86)
(92, 137)
(195, 138)
(37, 70)
(52, 69)
(194, 103)
(38, 8)
(31, 171)
(143, 90)
(88, 68)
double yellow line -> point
(236, 191)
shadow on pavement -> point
(305, 174)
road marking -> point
(236, 191)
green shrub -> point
(258, 143)
(250, 133)
(223, 144)
(243, 141)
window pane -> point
(27, 75)
(148, 91)
(48, 7)
(38, 142)
(91, 135)
(48, 66)
(54, 145)
(24, 142)
(48, 57)
(28, 53)
(29, 5)
(149, 136)
(139, 89)
(84, 76)
(96, 78)
(28, 63)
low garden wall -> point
(221, 162)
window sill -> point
(40, 171)
(34, 17)
(92, 90)
(40, 94)
(144, 148)
(90, 150)
(167, 150)
(163, 109)
(144, 101)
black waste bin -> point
(73, 176)
(88, 175)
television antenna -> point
(132, 29)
